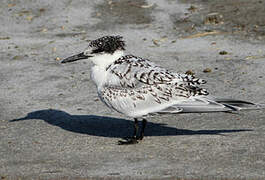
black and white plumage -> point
(137, 87)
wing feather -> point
(138, 87)
(136, 72)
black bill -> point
(75, 58)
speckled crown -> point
(108, 44)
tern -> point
(138, 88)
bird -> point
(139, 88)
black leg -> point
(142, 131)
(136, 127)
(132, 140)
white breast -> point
(103, 78)
(99, 75)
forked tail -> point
(200, 104)
(237, 105)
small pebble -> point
(207, 70)
(155, 42)
(190, 72)
(223, 52)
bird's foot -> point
(131, 140)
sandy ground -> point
(53, 125)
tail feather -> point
(239, 104)
(211, 104)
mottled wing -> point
(146, 88)
(137, 102)
(134, 72)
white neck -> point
(104, 60)
(98, 72)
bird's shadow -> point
(109, 126)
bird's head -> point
(105, 48)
